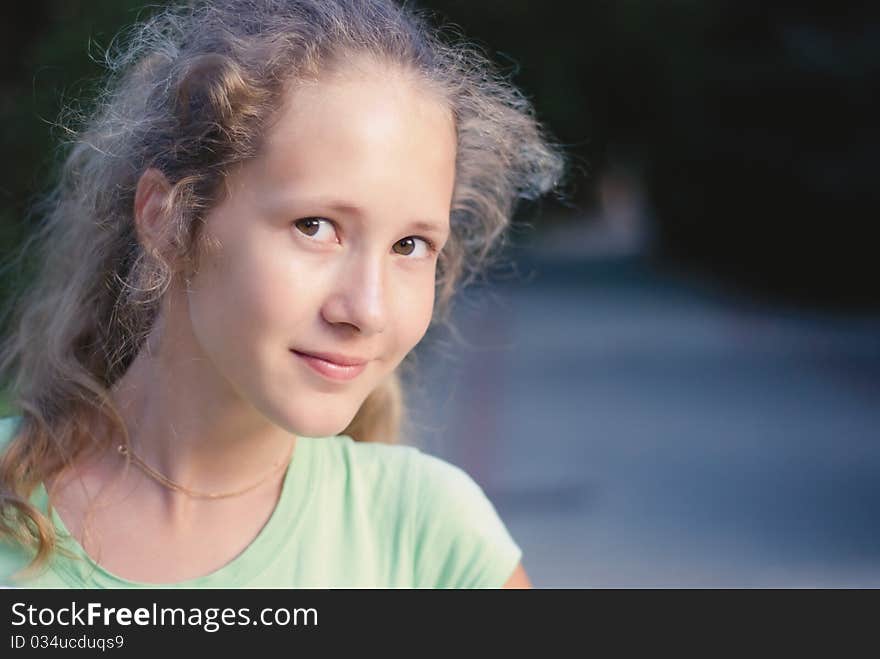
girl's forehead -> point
(343, 120)
(380, 95)
(385, 145)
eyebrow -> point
(353, 209)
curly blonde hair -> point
(191, 91)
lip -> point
(334, 367)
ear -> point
(150, 198)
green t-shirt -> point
(350, 515)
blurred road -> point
(637, 429)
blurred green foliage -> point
(51, 54)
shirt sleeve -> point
(460, 541)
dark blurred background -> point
(680, 385)
(747, 129)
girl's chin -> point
(323, 431)
(319, 427)
(308, 423)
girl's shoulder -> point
(9, 426)
(12, 557)
(426, 476)
(459, 539)
(437, 492)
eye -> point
(408, 246)
(324, 230)
(312, 227)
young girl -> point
(269, 206)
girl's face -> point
(327, 244)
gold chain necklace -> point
(167, 482)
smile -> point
(330, 370)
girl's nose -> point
(359, 297)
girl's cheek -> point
(416, 307)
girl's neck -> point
(185, 421)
